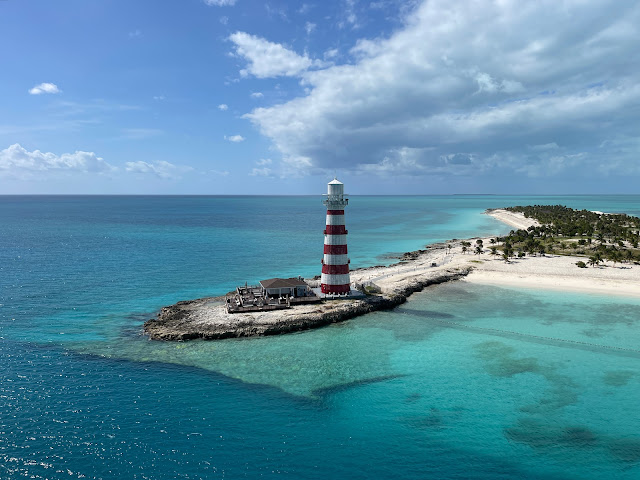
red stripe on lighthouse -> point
(335, 212)
(335, 288)
(335, 249)
(335, 269)
(335, 230)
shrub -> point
(581, 264)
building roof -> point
(335, 181)
(283, 283)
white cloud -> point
(309, 27)
(266, 59)
(235, 138)
(331, 53)
(279, 11)
(349, 16)
(159, 97)
(17, 161)
(257, 95)
(44, 88)
(305, 8)
(264, 161)
(160, 169)
(260, 172)
(223, 107)
(220, 3)
(482, 79)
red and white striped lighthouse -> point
(335, 263)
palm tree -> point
(479, 250)
(629, 256)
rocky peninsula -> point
(208, 319)
(389, 286)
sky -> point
(278, 97)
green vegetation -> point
(565, 231)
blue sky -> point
(275, 97)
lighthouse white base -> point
(351, 294)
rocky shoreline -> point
(207, 319)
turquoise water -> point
(462, 381)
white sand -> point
(513, 219)
(552, 272)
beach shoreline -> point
(208, 319)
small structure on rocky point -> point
(335, 279)
(292, 287)
(271, 294)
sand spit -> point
(206, 318)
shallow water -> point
(462, 381)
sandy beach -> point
(552, 272)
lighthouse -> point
(335, 263)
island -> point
(551, 247)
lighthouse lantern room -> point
(335, 263)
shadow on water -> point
(618, 378)
(321, 392)
(432, 420)
(539, 434)
(425, 313)
(174, 371)
(530, 338)
(500, 360)
(543, 435)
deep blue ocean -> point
(462, 381)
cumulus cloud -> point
(262, 169)
(44, 88)
(160, 169)
(235, 138)
(223, 107)
(464, 87)
(267, 59)
(257, 95)
(17, 161)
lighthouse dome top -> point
(335, 181)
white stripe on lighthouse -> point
(335, 239)
(330, 259)
(335, 219)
